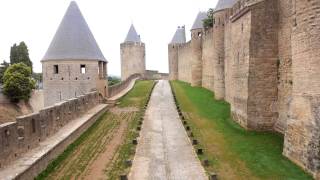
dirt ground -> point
(94, 155)
(9, 112)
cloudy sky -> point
(36, 21)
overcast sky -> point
(36, 21)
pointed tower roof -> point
(73, 39)
(180, 36)
(132, 35)
(224, 4)
(198, 24)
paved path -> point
(164, 150)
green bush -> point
(208, 22)
(17, 82)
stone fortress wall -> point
(69, 81)
(28, 131)
(132, 59)
(262, 56)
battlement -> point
(28, 131)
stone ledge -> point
(36, 160)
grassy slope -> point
(235, 153)
(73, 161)
(137, 98)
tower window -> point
(55, 69)
(82, 68)
(199, 34)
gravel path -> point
(164, 150)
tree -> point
(18, 83)
(3, 68)
(20, 54)
(209, 21)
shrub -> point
(17, 82)
(208, 22)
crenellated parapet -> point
(28, 131)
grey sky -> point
(35, 22)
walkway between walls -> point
(164, 150)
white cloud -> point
(35, 22)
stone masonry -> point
(73, 64)
(262, 56)
(132, 55)
(28, 131)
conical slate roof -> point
(198, 23)
(180, 36)
(73, 39)
(132, 35)
(224, 4)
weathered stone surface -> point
(302, 136)
(69, 82)
(22, 136)
(263, 58)
(207, 60)
(132, 59)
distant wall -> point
(18, 137)
(117, 88)
(155, 75)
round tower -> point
(173, 51)
(197, 31)
(132, 55)
(73, 64)
(219, 20)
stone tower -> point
(173, 51)
(132, 55)
(73, 64)
(196, 46)
(219, 22)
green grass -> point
(248, 154)
(135, 98)
(73, 161)
(58, 162)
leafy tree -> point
(20, 53)
(208, 22)
(18, 83)
(3, 68)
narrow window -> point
(55, 69)
(199, 34)
(242, 27)
(82, 68)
